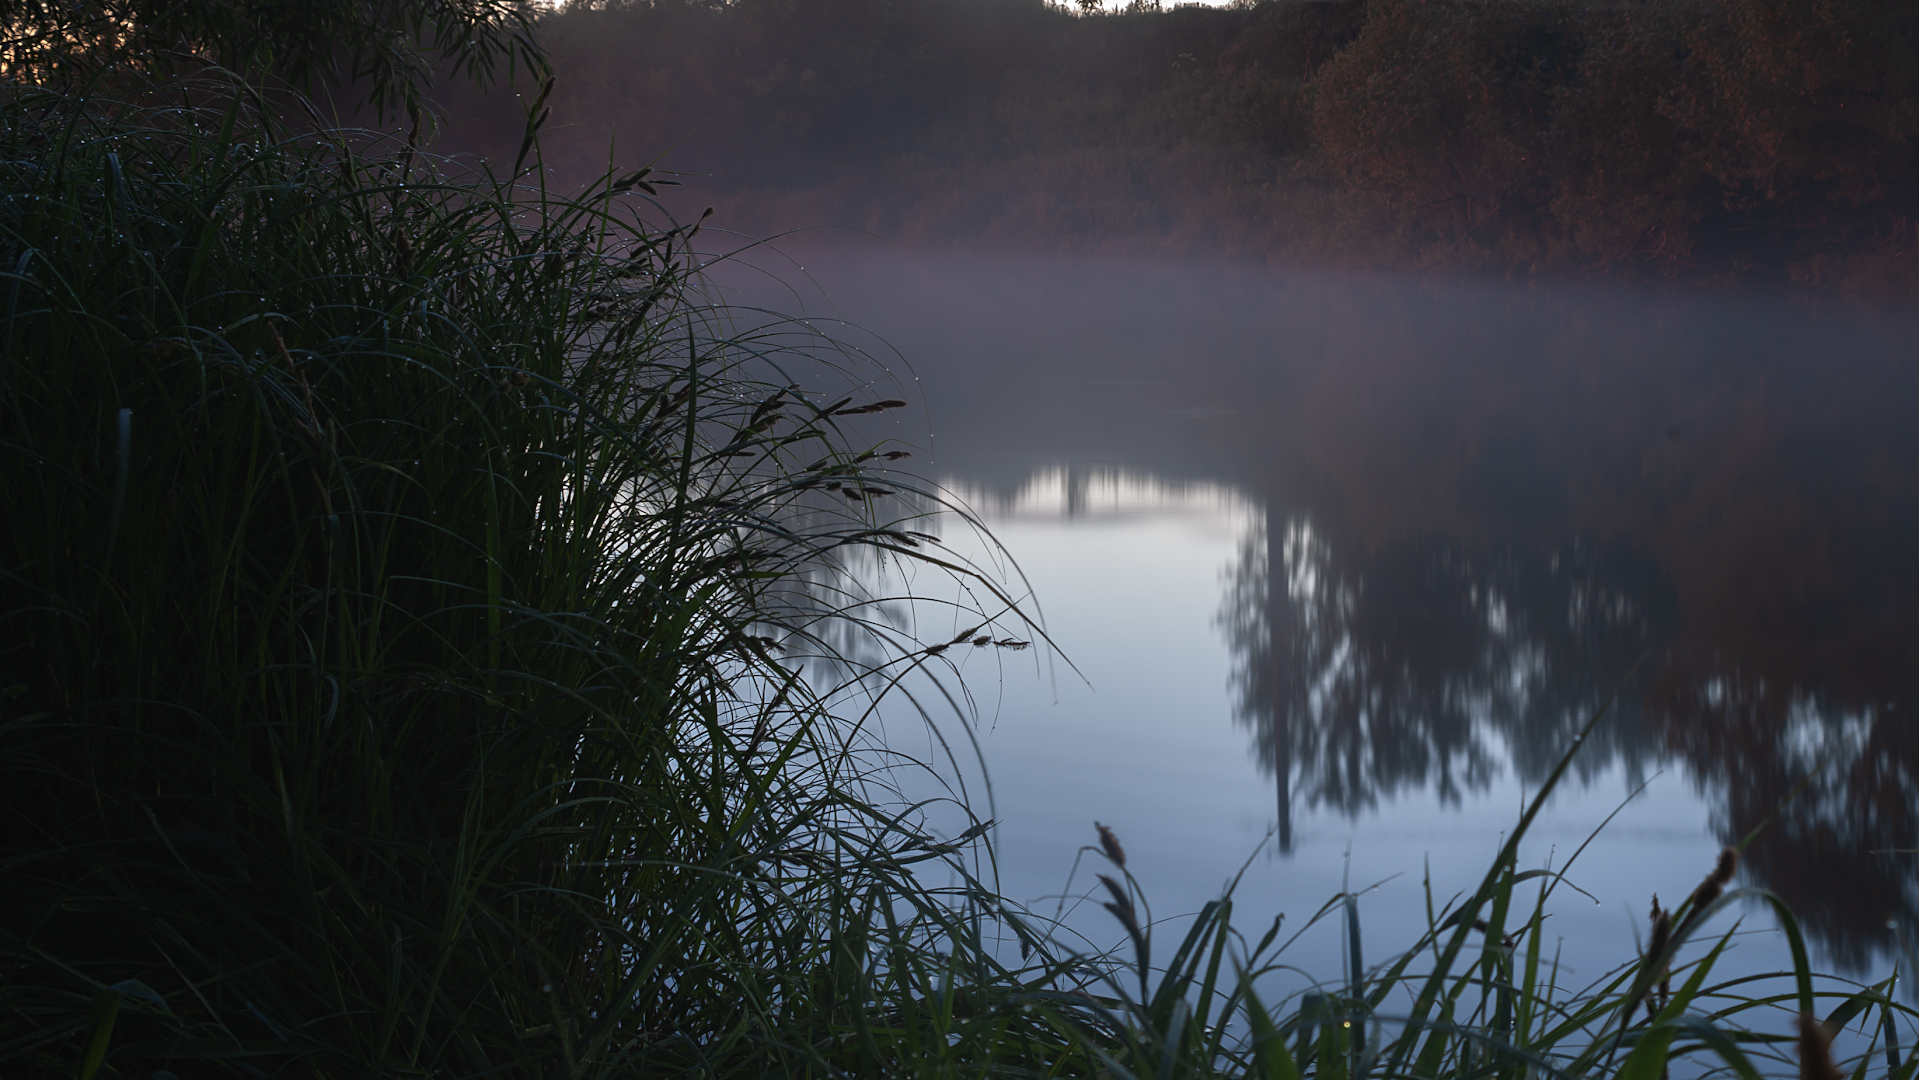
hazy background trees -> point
(1706, 138)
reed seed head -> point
(1110, 845)
(1121, 905)
(1722, 871)
(1715, 883)
(1661, 936)
(1815, 1050)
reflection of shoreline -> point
(1421, 665)
(1741, 481)
(1361, 676)
(1074, 491)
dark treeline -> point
(1702, 139)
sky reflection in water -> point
(1486, 504)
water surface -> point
(1341, 564)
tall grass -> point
(397, 563)
(407, 574)
(1482, 994)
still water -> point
(1337, 566)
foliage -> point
(1659, 133)
(388, 47)
(1710, 139)
(395, 567)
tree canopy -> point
(388, 49)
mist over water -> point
(1349, 560)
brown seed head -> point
(1110, 844)
(1722, 871)
(1706, 893)
(1661, 937)
(1815, 1050)
(1715, 883)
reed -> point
(1479, 994)
(404, 625)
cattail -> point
(1815, 1050)
(1110, 844)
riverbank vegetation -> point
(407, 669)
(416, 596)
(1708, 140)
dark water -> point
(1346, 562)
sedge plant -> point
(396, 566)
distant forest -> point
(1718, 140)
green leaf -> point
(1270, 1055)
(1648, 1059)
(99, 1032)
(1838, 1018)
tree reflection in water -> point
(1487, 503)
(1421, 665)
(1361, 673)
